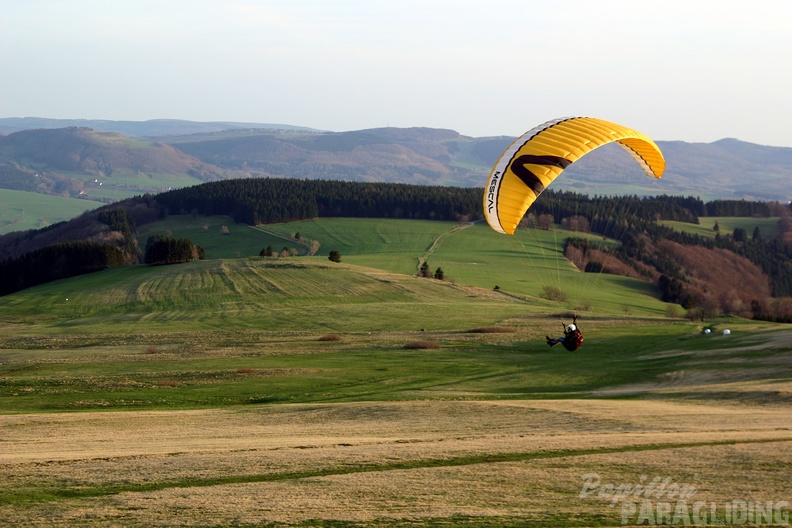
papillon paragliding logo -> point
(662, 501)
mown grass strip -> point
(20, 496)
(545, 519)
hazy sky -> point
(690, 70)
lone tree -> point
(424, 271)
(266, 252)
(335, 256)
(439, 275)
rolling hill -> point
(84, 150)
(177, 154)
(150, 128)
(105, 166)
(694, 271)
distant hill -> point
(388, 155)
(150, 128)
(190, 153)
(104, 166)
(95, 153)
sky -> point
(688, 70)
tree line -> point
(273, 200)
(608, 212)
(58, 261)
(634, 223)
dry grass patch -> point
(492, 330)
(408, 462)
(330, 337)
(553, 293)
(422, 344)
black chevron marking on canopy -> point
(529, 178)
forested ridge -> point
(270, 200)
(630, 219)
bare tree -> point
(576, 223)
(545, 222)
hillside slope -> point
(292, 294)
(678, 271)
(22, 210)
(90, 152)
(725, 169)
(76, 162)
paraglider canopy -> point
(537, 157)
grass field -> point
(522, 265)
(487, 430)
(20, 211)
(244, 391)
(768, 227)
(220, 236)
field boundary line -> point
(288, 238)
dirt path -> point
(307, 244)
(436, 243)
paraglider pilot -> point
(572, 338)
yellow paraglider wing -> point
(532, 162)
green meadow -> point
(220, 236)
(26, 210)
(726, 226)
(122, 185)
(295, 391)
(202, 321)
(161, 369)
(522, 265)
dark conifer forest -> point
(270, 200)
